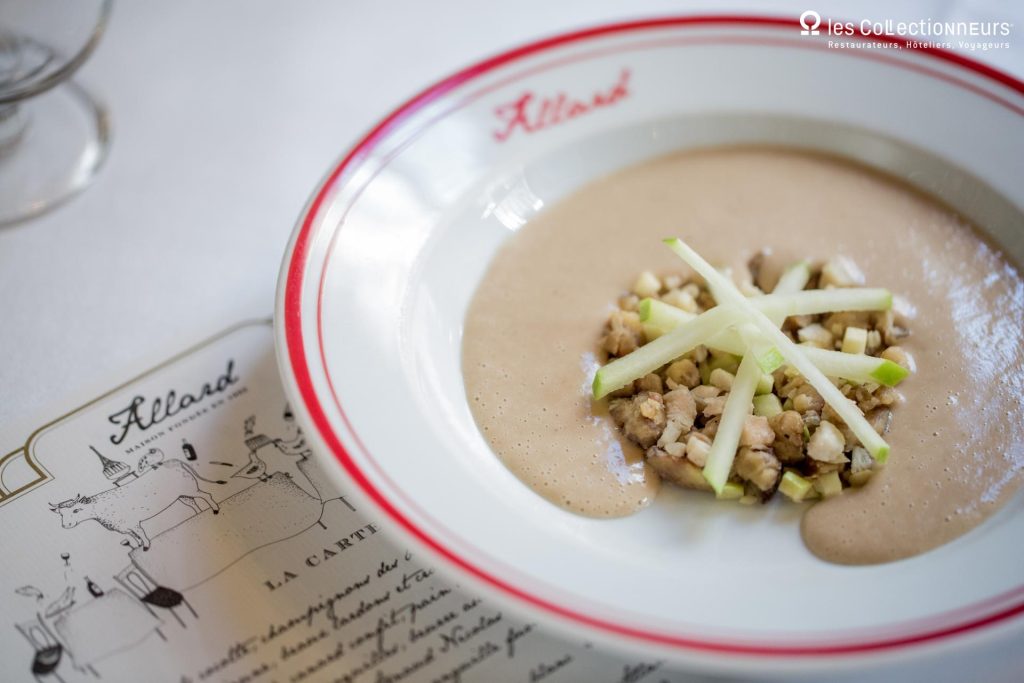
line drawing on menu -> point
(41, 475)
(137, 496)
(184, 508)
(278, 500)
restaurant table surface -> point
(225, 115)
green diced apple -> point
(730, 491)
(724, 360)
(767, 405)
(794, 487)
(855, 340)
(828, 485)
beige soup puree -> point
(532, 332)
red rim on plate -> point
(1006, 606)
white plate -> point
(389, 250)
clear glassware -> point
(53, 134)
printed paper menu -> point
(179, 528)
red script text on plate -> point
(531, 114)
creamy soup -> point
(532, 331)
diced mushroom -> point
(624, 392)
(828, 414)
(681, 407)
(757, 432)
(874, 342)
(836, 323)
(699, 354)
(796, 322)
(697, 448)
(722, 379)
(650, 382)
(647, 285)
(714, 406)
(840, 271)
(624, 334)
(711, 427)
(684, 373)
(670, 435)
(895, 334)
(816, 335)
(642, 417)
(789, 436)
(868, 403)
(827, 444)
(790, 386)
(703, 394)
(679, 471)
(629, 302)
(680, 412)
(675, 449)
(807, 398)
(705, 300)
(758, 466)
(860, 460)
(681, 299)
(880, 419)
(752, 494)
(673, 281)
(756, 268)
(814, 468)
(891, 328)
(887, 396)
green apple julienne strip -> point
(794, 279)
(781, 306)
(660, 318)
(814, 301)
(661, 314)
(734, 414)
(854, 367)
(767, 356)
(846, 410)
(888, 373)
(666, 348)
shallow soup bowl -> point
(387, 255)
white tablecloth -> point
(225, 115)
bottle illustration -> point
(94, 590)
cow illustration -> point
(124, 508)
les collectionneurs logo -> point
(949, 35)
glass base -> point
(51, 147)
